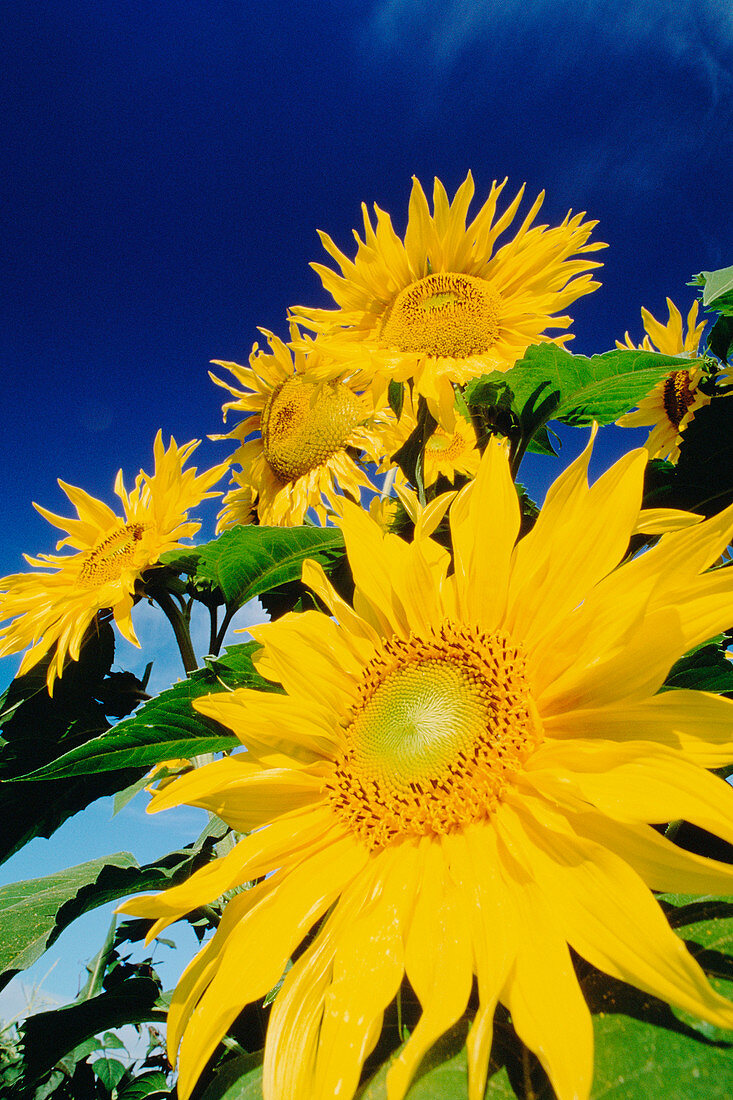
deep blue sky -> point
(167, 165)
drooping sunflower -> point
(672, 404)
(297, 437)
(447, 451)
(58, 603)
(443, 306)
(460, 782)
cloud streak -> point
(695, 33)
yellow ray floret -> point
(459, 784)
(672, 404)
(446, 304)
(57, 603)
(299, 438)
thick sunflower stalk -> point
(466, 784)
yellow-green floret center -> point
(440, 727)
(677, 396)
(112, 555)
(445, 447)
(445, 314)
(306, 423)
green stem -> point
(179, 622)
(213, 619)
(516, 456)
(228, 616)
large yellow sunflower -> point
(111, 553)
(442, 306)
(302, 431)
(672, 404)
(460, 782)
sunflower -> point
(443, 306)
(448, 452)
(296, 437)
(672, 404)
(111, 553)
(460, 782)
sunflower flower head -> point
(57, 603)
(445, 304)
(297, 438)
(459, 784)
(672, 404)
(448, 452)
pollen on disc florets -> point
(305, 423)
(446, 446)
(112, 555)
(439, 727)
(677, 396)
(444, 314)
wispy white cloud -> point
(437, 32)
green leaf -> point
(396, 397)
(717, 287)
(147, 1084)
(706, 669)
(109, 1071)
(720, 341)
(29, 910)
(167, 727)
(247, 560)
(239, 1078)
(549, 383)
(48, 1036)
(409, 457)
(702, 480)
(33, 913)
(37, 729)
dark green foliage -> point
(167, 727)
(38, 729)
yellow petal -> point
(696, 722)
(437, 961)
(542, 992)
(484, 526)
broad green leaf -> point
(167, 727)
(247, 560)
(717, 287)
(239, 1078)
(549, 383)
(48, 1036)
(29, 910)
(37, 729)
(33, 913)
(147, 1085)
(443, 1073)
(109, 1071)
(707, 669)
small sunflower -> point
(462, 780)
(672, 404)
(448, 452)
(111, 554)
(296, 437)
(443, 306)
